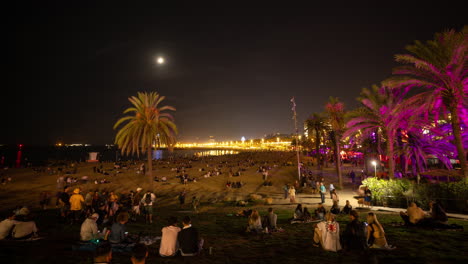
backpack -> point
(148, 198)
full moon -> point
(160, 60)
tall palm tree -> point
(317, 124)
(335, 111)
(439, 66)
(147, 124)
(380, 112)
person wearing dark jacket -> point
(354, 238)
(190, 243)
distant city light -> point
(243, 139)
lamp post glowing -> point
(375, 168)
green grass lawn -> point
(225, 234)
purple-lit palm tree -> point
(440, 67)
(335, 111)
(147, 123)
(380, 112)
(420, 145)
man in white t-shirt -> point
(169, 245)
(7, 225)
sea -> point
(26, 156)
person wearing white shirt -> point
(7, 225)
(169, 244)
(89, 229)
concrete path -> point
(348, 193)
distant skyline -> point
(230, 72)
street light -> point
(375, 168)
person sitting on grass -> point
(89, 229)
(119, 238)
(347, 208)
(103, 254)
(25, 227)
(320, 212)
(169, 245)
(327, 234)
(270, 220)
(354, 236)
(335, 209)
(298, 213)
(139, 254)
(6, 226)
(306, 216)
(375, 233)
(438, 215)
(189, 241)
(254, 223)
(413, 215)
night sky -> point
(231, 70)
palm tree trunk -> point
(391, 161)
(338, 161)
(150, 164)
(317, 149)
(458, 141)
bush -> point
(453, 196)
(388, 192)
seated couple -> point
(301, 215)
(18, 227)
(257, 226)
(175, 239)
(436, 218)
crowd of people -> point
(110, 211)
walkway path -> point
(348, 193)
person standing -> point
(323, 190)
(286, 191)
(136, 202)
(352, 174)
(335, 197)
(147, 202)
(169, 245)
(76, 205)
(195, 203)
(330, 189)
(292, 194)
(367, 196)
(182, 198)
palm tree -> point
(147, 124)
(335, 111)
(439, 67)
(380, 113)
(317, 124)
(420, 145)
